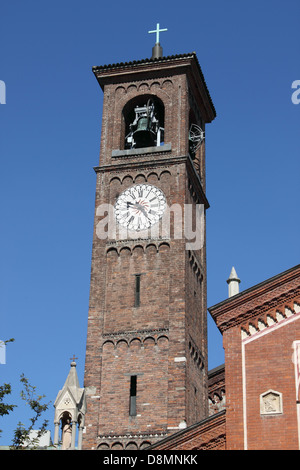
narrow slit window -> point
(137, 298)
(132, 403)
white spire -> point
(70, 408)
(233, 283)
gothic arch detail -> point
(143, 118)
(164, 246)
(155, 90)
(120, 90)
(126, 445)
(196, 355)
(269, 318)
(135, 342)
(132, 338)
(151, 248)
(129, 179)
(131, 446)
(138, 249)
(143, 87)
(140, 178)
(117, 446)
(115, 180)
(112, 252)
(127, 250)
(195, 265)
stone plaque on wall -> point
(270, 403)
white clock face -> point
(140, 206)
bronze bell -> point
(143, 135)
(142, 124)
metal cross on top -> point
(157, 31)
(73, 358)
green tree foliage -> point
(5, 390)
(22, 438)
(22, 435)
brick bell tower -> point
(146, 352)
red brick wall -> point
(172, 300)
(262, 362)
(234, 388)
(163, 341)
(269, 366)
(172, 91)
(140, 357)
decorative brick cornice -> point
(142, 335)
(140, 164)
(159, 163)
(133, 435)
(257, 300)
(216, 381)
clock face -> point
(140, 207)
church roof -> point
(72, 379)
(72, 386)
(233, 310)
(144, 61)
(206, 434)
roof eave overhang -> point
(183, 63)
(254, 297)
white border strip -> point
(244, 396)
(296, 361)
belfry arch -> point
(143, 120)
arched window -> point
(143, 120)
(66, 430)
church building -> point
(146, 383)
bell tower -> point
(146, 352)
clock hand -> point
(142, 209)
(138, 206)
(134, 205)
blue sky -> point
(50, 138)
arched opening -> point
(143, 120)
(66, 431)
